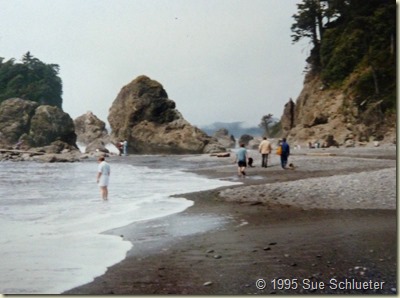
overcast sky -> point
(219, 60)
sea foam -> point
(52, 219)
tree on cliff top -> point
(271, 126)
(32, 80)
(352, 37)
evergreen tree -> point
(32, 80)
(353, 41)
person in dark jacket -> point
(285, 153)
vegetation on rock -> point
(354, 53)
(353, 46)
(31, 80)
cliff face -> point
(334, 116)
(350, 91)
(143, 114)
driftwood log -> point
(21, 151)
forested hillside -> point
(32, 80)
(352, 38)
(351, 71)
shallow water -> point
(52, 219)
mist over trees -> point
(31, 80)
(235, 128)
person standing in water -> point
(125, 147)
(103, 177)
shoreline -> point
(219, 247)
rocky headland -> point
(336, 116)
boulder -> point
(58, 147)
(245, 139)
(143, 115)
(330, 142)
(89, 128)
(15, 117)
(62, 157)
(49, 124)
(224, 138)
(96, 146)
(33, 124)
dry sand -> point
(329, 226)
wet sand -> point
(259, 246)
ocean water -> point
(52, 219)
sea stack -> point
(143, 115)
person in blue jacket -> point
(241, 159)
(285, 153)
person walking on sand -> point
(265, 149)
(103, 177)
(241, 159)
(285, 153)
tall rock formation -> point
(36, 125)
(287, 120)
(143, 114)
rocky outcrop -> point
(245, 139)
(41, 155)
(15, 119)
(91, 133)
(34, 125)
(50, 124)
(143, 114)
(224, 138)
(330, 117)
(287, 120)
(88, 127)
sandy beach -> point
(328, 226)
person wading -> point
(103, 177)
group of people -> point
(265, 148)
(242, 159)
(123, 148)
